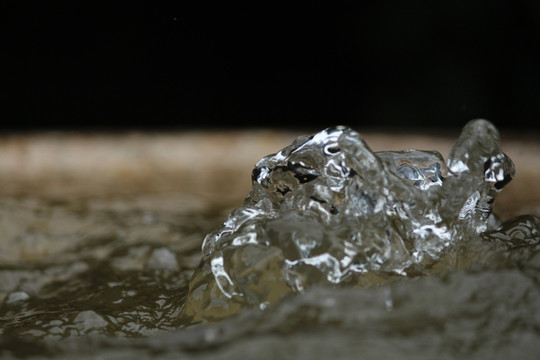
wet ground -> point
(104, 274)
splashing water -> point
(337, 251)
(328, 210)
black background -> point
(176, 65)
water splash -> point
(328, 210)
(109, 278)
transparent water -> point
(110, 277)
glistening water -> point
(337, 251)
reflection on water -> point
(109, 278)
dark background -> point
(175, 65)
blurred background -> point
(185, 97)
(190, 65)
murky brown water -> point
(106, 277)
(117, 267)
